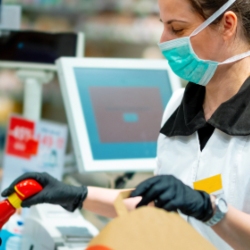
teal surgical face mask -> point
(186, 64)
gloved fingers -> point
(42, 178)
(165, 197)
(45, 196)
(146, 185)
(206, 209)
(69, 207)
(10, 190)
(27, 203)
(148, 197)
(162, 180)
(171, 206)
(34, 200)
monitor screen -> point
(36, 47)
(114, 109)
(123, 110)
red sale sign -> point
(33, 146)
(20, 139)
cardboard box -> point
(147, 228)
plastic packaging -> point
(10, 236)
(23, 190)
(12, 233)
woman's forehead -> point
(175, 9)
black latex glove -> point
(171, 194)
(54, 192)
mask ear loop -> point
(216, 14)
(236, 58)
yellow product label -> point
(209, 185)
(14, 200)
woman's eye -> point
(177, 31)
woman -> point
(206, 128)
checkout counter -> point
(50, 227)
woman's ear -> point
(229, 24)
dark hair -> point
(241, 8)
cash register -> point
(50, 227)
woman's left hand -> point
(171, 194)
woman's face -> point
(180, 19)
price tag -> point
(20, 138)
(33, 146)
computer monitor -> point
(114, 109)
(37, 50)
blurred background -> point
(112, 28)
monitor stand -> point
(33, 82)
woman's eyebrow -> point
(173, 20)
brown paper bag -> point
(147, 228)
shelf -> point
(140, 31)
(130, 21)
(75, 7)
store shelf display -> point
(80, 6)
(122, 29)
(130, 21)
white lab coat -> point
(223, 154)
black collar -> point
(232, 116)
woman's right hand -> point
(54, 192)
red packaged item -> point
(23, 190)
